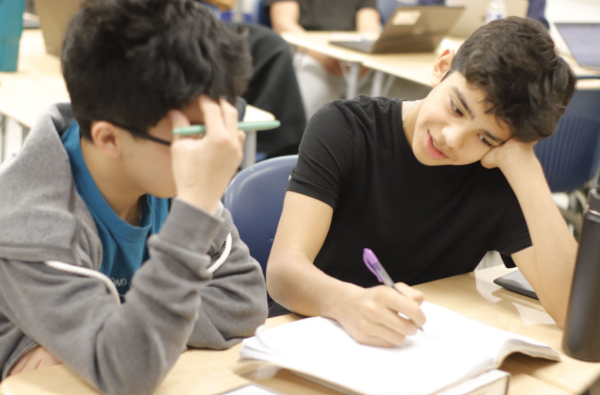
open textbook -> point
(451, 350)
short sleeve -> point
(325, 155)
(514, 234)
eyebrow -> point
(463, 101)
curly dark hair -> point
(131, 61)
(527, 84)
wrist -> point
(517, 160)
(196, 200)
(337, 300)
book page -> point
(452, 348)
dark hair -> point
(132, 61)
(527, 84)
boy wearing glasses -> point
(115, 252)
(430, 186)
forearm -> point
(297, 284)
(234, 304)
(119, 349)
(368, 21)
(554, 247)
(285, 17)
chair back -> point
(255, 200)
(571, 157)
(261, 13)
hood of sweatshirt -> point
(40, 211)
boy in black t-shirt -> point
(430, 186)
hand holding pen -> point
(371, 315)
(383, 277)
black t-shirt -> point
(423, 222)
(338, 15)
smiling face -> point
(450, 126)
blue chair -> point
(571, 157)
(255, 200)
(261, 14)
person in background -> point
(272, 87)
(320, 76)
(115, 251)
(536, 9)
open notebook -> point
(452, 349)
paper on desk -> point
(251, 389)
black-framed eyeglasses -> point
(142, 135)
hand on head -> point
(204, 166)
(508, 154)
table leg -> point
(238, 11)
(3, 133)
(377, 83)
(352, 80)
(249, 149)
(388, 85)
(24, 133)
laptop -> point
(409, 29)
(474, 16)
(582, 40)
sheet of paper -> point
(450, 349)
(251, 389)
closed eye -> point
(485, 141)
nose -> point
(454, 136)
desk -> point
(319, 42)
(38, 83)
(415, 67)
(203, 372)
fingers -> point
(379, 336)
(230, 116)
(411, 293)
(396, 303)
(213, 115)
(219, 117)
(35, 359)
(178, 119)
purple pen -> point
(375, 267)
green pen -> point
(245, 126)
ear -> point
(441, 66)
(107, 138)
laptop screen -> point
(582, 40)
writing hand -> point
(371, 316)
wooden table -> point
(202, 372)
(38, 83)
(415, 67)
(319, 42)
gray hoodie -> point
(52, 294)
